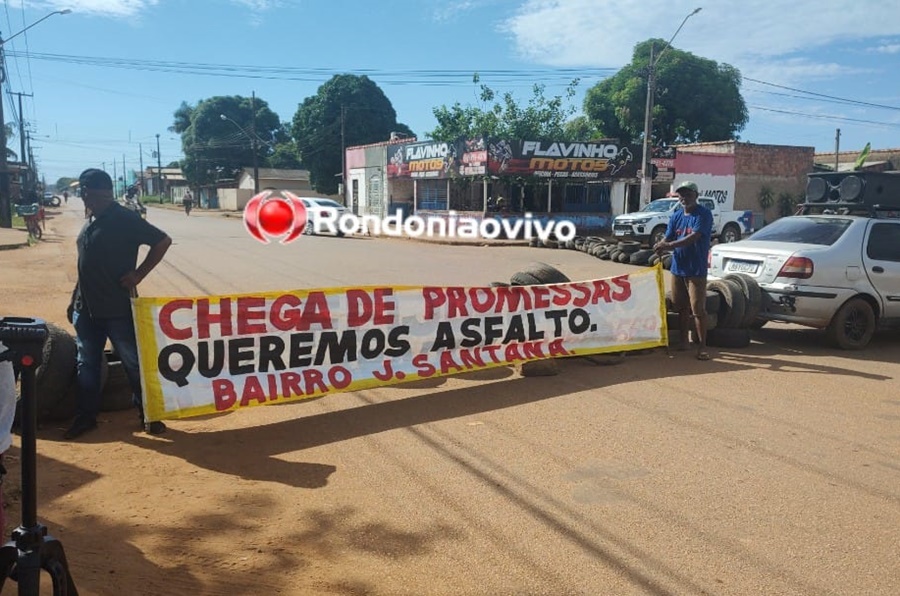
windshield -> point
(660, 205)
(328, 203)
(804, 230)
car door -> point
(882, 262)
(711, 205)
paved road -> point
(771, 470)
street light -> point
(5, 198)
(253, 146)
(646, 179)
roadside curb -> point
(9, 242)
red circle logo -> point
(275, 214)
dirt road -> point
(770, 470)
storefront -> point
(581, 182)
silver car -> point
(839, 272)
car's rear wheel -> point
(657, 235)
(853, 325)
(730, 233)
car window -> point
(659, 206)
(804, 230)
(328, 203)
(884, 242)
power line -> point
(822, 95)
(825, 116)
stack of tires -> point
(740, 303)
(55, 379)
(624, 251)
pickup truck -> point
(649, 224)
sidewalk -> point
(13, 238)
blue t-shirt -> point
(690, 261)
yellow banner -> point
(210, 354)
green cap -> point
(688, 184)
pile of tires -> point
(741, 301)
(628, 252)
(56, 387)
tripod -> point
(31, 548)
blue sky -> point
(85, 113)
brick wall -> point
(781, 168)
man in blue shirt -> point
(688, 237)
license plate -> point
(743, 266)
(619, 232)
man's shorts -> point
(689, 293)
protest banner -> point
(210, 354)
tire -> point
(55, 202)
(728, 338)
(117, 393)
(56, 373)
(551, 243)
(713, 302)
(524, 279)
(310, 228)
(64, 408)
(640, 257)
(499, 284)
(666, 261)
(534, 242)
(623, 257)
(731, 313)
(653, 260)
(570, 244)
(629, 246)
(605, 255)
(658, 234)
(36, 232)
(853, 325)
(546, 274)
(730, 233)
(752, 297)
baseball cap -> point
(95, 179)
(689, 185)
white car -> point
(837, 270)
(323, 216)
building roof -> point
(385, 143)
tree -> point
(697, 99)
(216, 147)
(346, 103)
(539, 119)
(63, 183)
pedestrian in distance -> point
(66, 196)
(688, 236)
(108, 276)
(188, 201)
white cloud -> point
(111, 8)
(259, 5)
(893, 48)
(749, 34)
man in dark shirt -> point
(108, 276)
(688, 236)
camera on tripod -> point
(31, 548)
(24, 339)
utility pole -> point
(837, 149)
(158, 170)
(343, 155)
(253, 143)
(115, 180)
(141, 154)
(124, 176)
(5, 198)
(646, 179)
(23, 173)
